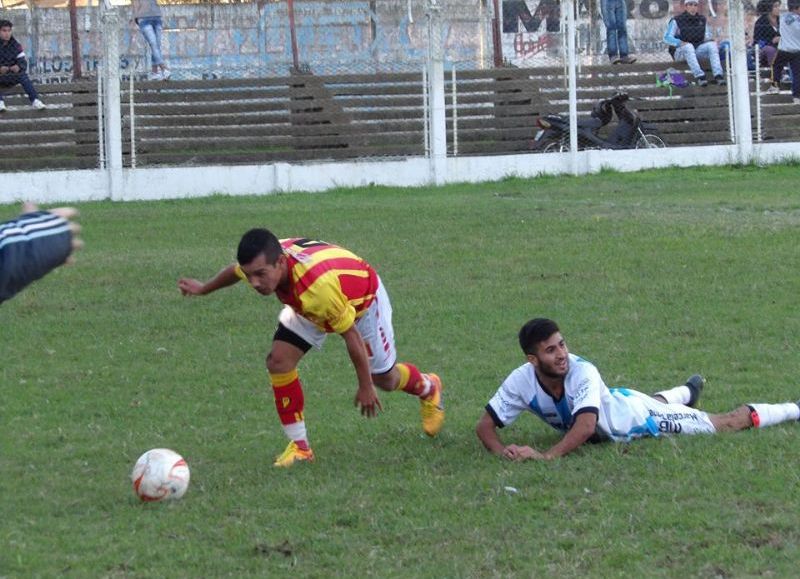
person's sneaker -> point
(701, 81)
(615, 60)
(155, 76)
(431, 408)
(165, 74)
(795, 100)
(720, 80)
(773, 89)
(38, 105)
(293, 454)
(695, 385)
(627, 60)
(3, 107)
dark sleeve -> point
(590, 409)
(30, 246)
(497, 422)
(763, 31)
(22, 62)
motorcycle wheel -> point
(554, 147)
(650, 141)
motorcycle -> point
(631, 131)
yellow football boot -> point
(431, 408)
(293, 454)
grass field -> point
(653, 276)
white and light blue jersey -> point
(622, 414)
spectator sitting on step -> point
(14, 66)
(689, 38)
(766, 30)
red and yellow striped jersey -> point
(328, 285)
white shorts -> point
(375, 327)
(630, 414)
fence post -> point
(573, 86)
(438, 120)
(740, 82)
(112, 114)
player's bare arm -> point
(192, 287)
(487, 433)
(366, 397)
(582, 430)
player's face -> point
(5, 33)
(552, 357)
(692, 8)
(265, 277)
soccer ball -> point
(160, 474)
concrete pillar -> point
(112, 114)
(436, 110)
(739, 82)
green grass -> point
(653, 276)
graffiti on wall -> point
(254, 39)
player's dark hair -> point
(6, 24)
(536, 331)
(793, 5)
(257, 242)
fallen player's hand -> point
(519, 453)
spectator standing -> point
(766, 31)
(147, 15)
(14, 67)
(615, 17)
(690, 39)
(788, 50)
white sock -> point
(769, 414)
(296, 431)
(678, 395)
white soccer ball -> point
(160, 474)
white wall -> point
(183, 182)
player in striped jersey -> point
(568, 393)
(34, 244)
(325, 289)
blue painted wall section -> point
(235, 40)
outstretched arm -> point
(192, 287)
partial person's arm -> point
(192, 287)
(486, 429)
(22, 62)
(366, 397)
(582, 429)
(487, 434)
(670, 36)
(34, 244)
